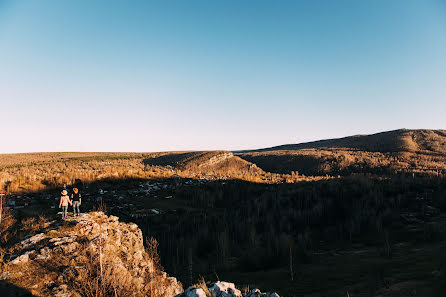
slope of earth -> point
(386, 152)
(222, 162)
(426, 141)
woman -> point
(64, 201)
(76, 198)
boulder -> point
(225, 289)
(258, 293)
(27, 243)
(192, 292)
(22, 259)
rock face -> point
(223, 289)
(66, 259)
(216, 159)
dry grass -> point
(25, 174)
(6, 227)
(203, 285)
(31, 225)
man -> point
(76, 198)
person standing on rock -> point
(64, 201)
(77, 200)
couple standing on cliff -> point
(65, 200)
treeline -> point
(248, 227)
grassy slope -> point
(400, 150)
(433, 141)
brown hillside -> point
(386, 152)
(391, 141)
(222, 162)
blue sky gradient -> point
(189, 75)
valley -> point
(255, 218)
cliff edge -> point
(91, 255)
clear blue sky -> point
(176, 75)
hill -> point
(222, 162)
(385, 152)
(425, 141)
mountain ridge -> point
(403, 140)
(388, 152)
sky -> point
(202, 75)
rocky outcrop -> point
(215, 159)
(222, 289)
(96, 255)
(91, 252)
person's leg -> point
(74, 208)
(65, 210)
(78, 208)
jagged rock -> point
(192, 292)
(27, 243)
(44, 254)
(62, 240)
(225, 289)
(22, 259)
(61, 291)
(75, 248)
(257, 293)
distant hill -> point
(391, 141)
(385, 152)
(222, 162)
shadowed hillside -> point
(386, 152)
(425, 141)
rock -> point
(113, 219)
(257, 293)
(253, 293)
(73, 250)
(44, 254)
(61, 291)
(225, 289)
(61, 240)
(22, 259)
(31, 241)
(192, 292)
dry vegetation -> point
(22, 173)
(420, 141)
(418, 151)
